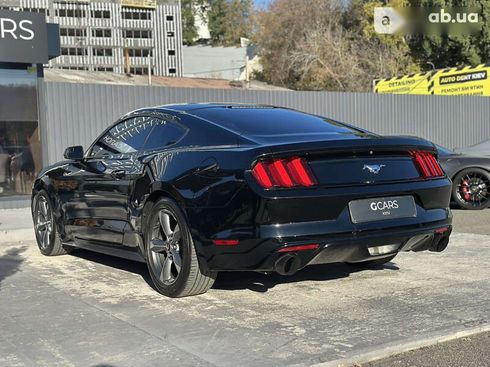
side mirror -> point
(74, 153)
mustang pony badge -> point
(373, 168)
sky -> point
(262, 3)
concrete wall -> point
(74, 114)
(214, 62)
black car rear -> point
(309, 188)
(196, 189)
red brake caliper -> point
(465, 190)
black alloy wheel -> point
(471, 189)
(170, 253)
(47, 236)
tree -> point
(238, 21)
(228, 20)
(324, 45)
(454, 50)
(189, 31)
(393, 54)
(217, 22)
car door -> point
(105, 183)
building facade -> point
(114, 35)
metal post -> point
(247, 73)
(149, 69)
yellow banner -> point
(465, 81)
(408, 84)
(468, 81)
(139, 3)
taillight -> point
(289, 172)
(312, 246)
(426, 164)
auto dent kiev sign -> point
(463, 81)
(23, 37)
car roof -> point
(183, 107)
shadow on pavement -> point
(115, 262)
(10, 263)
(259, 282)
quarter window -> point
(125, 138)
(164, 134)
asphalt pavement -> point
(88, 309)
(468, 351)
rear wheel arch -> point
(152, 199)
(466, 168)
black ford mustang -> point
(194, 189)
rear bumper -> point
(265, 224)
(261, 254)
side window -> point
(126, 137)
(164, 134)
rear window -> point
(270, 121)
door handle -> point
(118, 173)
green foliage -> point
(454, 50)
(228, 20)
(189, 31)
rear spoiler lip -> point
(350, 146)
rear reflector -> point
(441, 230)
(226, 242)
(312, 246)
(426, 164)
(291, 172)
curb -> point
(388, 350)
(16, 235)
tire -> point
(373, 263)
(47, 236)
(170, 254)
(471, 189)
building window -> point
(140, 71)
(139, 52)
(102, 33)
(137, 33)
(100, 14)
(172, 71)
(102, 51)
(71, 67)
(35, 10)
(171, 52)
(70, 13)
(73, 32)
(169, 18)
(104, 68)
(136, 15)
(74, 51)
(170, 34)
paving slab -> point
(88, 309)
